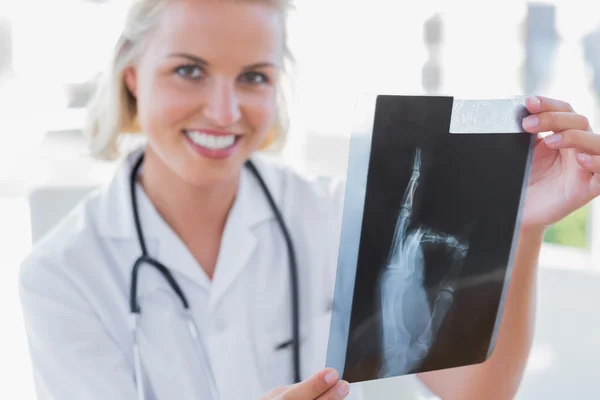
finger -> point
(313, 387)
(338, 392)
(274, 393)
(555, 121)
(539, 104)
(590, 162)
(583, 141)
(595, 185)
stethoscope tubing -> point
(145, 258)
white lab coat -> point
(75, 289)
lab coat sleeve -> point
(72, 355)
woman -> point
(201, 78)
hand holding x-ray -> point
(322, 385)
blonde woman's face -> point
(206, 85)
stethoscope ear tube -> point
(134, 306)
(196, 340)
(135, 310)
(139, 379)
(145, 258)
(293, 273)
(201, 348)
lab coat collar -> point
(116, 214)
(249, 210)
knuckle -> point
(547, 121)
(283, 393)
(329, 395)
(570, 136)
(569, 107)
(585, 122)
(334, 393)
(311, 388)
(595, 168)
(288, 395)
(315, 387)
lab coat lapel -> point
(239, 239)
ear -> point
(130, 77)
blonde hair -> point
(113, 109)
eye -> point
(255, 78)
(189, 71)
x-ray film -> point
(435, 190)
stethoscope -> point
(145, 258)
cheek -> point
(162, 107)
(260, 114)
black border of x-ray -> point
(355, 192)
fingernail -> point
(534, 100)
(553, 139)
(584, 158)
(344, 388)
(331, 377)
(531, 122)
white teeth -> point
(212, 142)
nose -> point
(222, 107)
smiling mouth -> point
(212, 141)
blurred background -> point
(51, 53)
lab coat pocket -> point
(276, 351)
(275, 356)
(314, 348)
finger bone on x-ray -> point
(409, 326)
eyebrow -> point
(202, 62)
(190, 57)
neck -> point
(196, 214)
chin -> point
(207, 173)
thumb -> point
(324, 383)
(272, 394)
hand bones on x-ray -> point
(409, 327)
